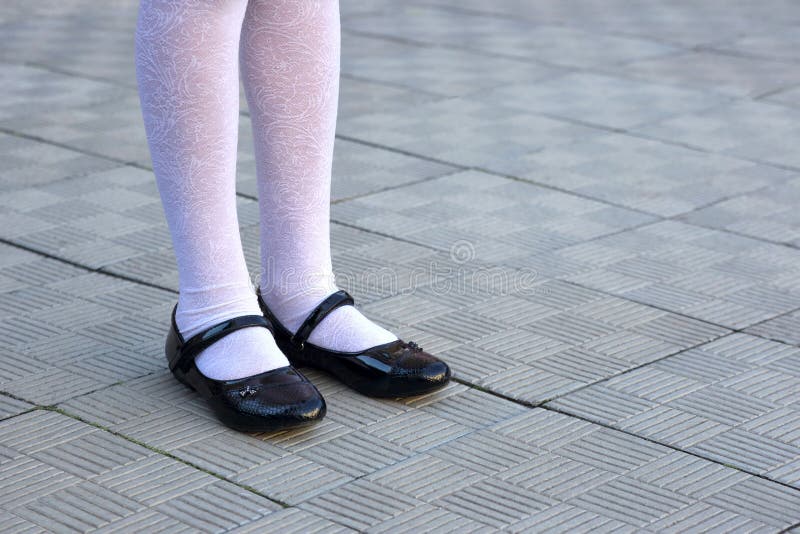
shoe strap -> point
(340, 298)
(191, 348)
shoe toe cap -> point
(419, 373)
(436, 372)
(275, 401)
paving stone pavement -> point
(586, 207)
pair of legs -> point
(188, 57)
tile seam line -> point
(606, 293)
(419, 181)
(666, 445)
(430, 45)
(696, 148)
(77, 150)
(557, 23)
(162, 452)
(778, 91)
(105, 271)
(790, 528)
(88, 269)
(523, 403)
(123, 162)
(729, 231)
(284, 505)
(664, 358)
(528, 404)
(565, 68)
(728, 99)
(458, 167)
(719, 50)
(384, 83)
(69, 73)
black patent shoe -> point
(394, 369)
(275, 400)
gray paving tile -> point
(10, 407)
(730, 401)
(425, 477)
(25, 480)
(704, 517)
(500, 503)
(552, 44)
(605, 101)
(765, 213)
(293, 479)
(81, 507)
(434, 70)
(358, 169)
(220, 506)
(476, 131)
(782, 328)
(38, 430)
(360, 504)
(778, 43)
(565, 517)
(682, 23)
(788, 96)
(636, 502)
(28, 24)
(646, 175)
(88, 115)
(93, 454)
(431, 519)
(16, 523)
(731, 129)
(148, 519)
(28, 163)
(526, 221)
(358, 96)
(712, 276)
(732, 74)
(293, 521)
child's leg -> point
(186, 63)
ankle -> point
(194, 315)
(291, 303)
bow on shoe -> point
(413, 346)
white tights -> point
(188, 76)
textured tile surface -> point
(587, 208)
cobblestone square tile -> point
(767, 213)
(788, 97)
(728, 73)
(680, 23)
(433, 70)
(646, 175)
(604, 101)
(733, 401)
(757, 131)
(777, 43)
(712, 276)
(527, 40)
(483, 131)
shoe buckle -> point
(300, 346)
